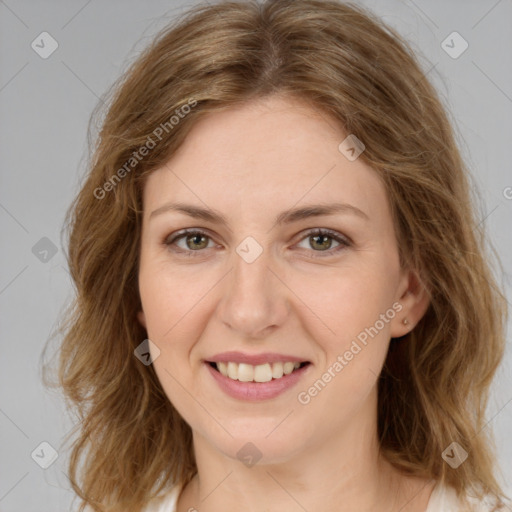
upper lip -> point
(254, 359)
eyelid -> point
(342, 239)
(171, 239)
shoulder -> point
(444, 499)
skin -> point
(250, 163)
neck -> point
(343, 473)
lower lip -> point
(254, 391)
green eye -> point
(319, 240)
(195, 241)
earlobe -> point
(141, 317)
(415, 301)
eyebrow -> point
(286, 217)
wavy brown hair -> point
(342, 60)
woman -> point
(283, 298)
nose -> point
(254, 301)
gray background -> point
(45, 106)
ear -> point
(414, 299)
(141, 317)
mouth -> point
(261, 373)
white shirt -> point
(442, 499)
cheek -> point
(352, 356)
(345, 302)
(348, 315)
(171, 305)
(170, 300)
(355, 308)
(176, 308)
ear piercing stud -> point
(405, 321)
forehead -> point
(270, 153)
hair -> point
(346, 63)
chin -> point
(261, 441)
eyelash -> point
(342, 240)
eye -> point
(195, 240)
(321, 241)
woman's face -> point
(256, 284)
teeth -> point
(260, 373)
(288, 368)
(245, 372)
(277, 370)
(223, 368)
(233, 371)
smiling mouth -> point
(260, 373)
